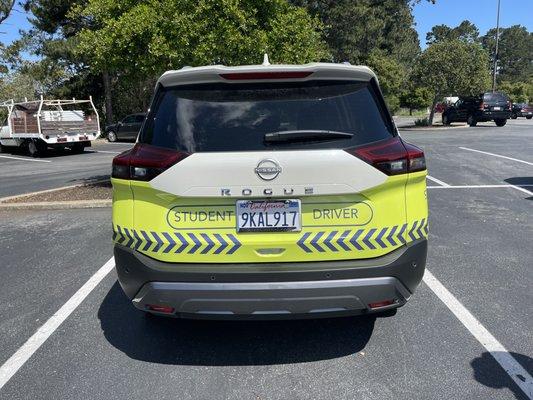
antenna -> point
(265, 60)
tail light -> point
(482, 106)
(509, 105)
(144, 162)
(239, 76)
(392, 156)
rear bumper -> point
(491, 115)
(278, 290)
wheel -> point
(471, 120)
(77, 148)
(514, 116)
(36, 148)
(500, 121)
(112, 136)
(529, 117)
(445, 119)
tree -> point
(6, 6)
(353, 29)
(391, 75)
(452, 67)
(519, 92)
(515, 53)
(465, 31)
(415, 98)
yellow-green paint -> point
(329, 224)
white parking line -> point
(517, 373)
(496, 155)
(23, 354)
(25, 159)
(106, 151)
(444, 184)
(521, 187)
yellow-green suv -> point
(269, 191)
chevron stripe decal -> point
(361, 239)
(335, 241)
(166, 242)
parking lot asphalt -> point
(20, 173)
(480, 250)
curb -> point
(56, 205)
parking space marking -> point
(23, 354)
(25, 159)
(521, 187)
(443, 184)
(517, 373)
(106, 151)
(496, 155)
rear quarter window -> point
(236, 117)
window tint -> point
(494, 98)
(129, 119)
(236, 117)
(139, 118)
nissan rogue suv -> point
(269, 191)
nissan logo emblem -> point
(267, 170)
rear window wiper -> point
(305, 135)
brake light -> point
(144, 162)
(239, 76)
(160, 308)
(379, 304)
(392, 156)
(482, 106)
(509, 105)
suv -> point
(269, 191)
(485, 107)
(128, 128)
(522, 110)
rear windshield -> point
(494, 98)
(236, 117)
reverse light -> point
(392, 156)
(144, 162)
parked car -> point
(269, 191)
(128, 128)
(522, 110)
(485, 107)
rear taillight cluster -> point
(482, 106)
(144, 162)
(392, 156)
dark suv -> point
(522, 110)
(485, 107)
(128, 128)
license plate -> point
(269, 215)
(496, 108)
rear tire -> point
(471, 120)
(111, 136)
(36, 148)
(445, 120)
(529, 117)
(500, 121)
(77, 148)
(514, 116)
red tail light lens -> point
(239, 76)
(482, 106)
(144, 162)
(392, 156)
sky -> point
(449, 12)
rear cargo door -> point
(271, 172)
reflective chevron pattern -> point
(363, 239)
(176, 242)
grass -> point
(404, 112)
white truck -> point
(41, 124)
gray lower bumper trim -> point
(272, 298)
